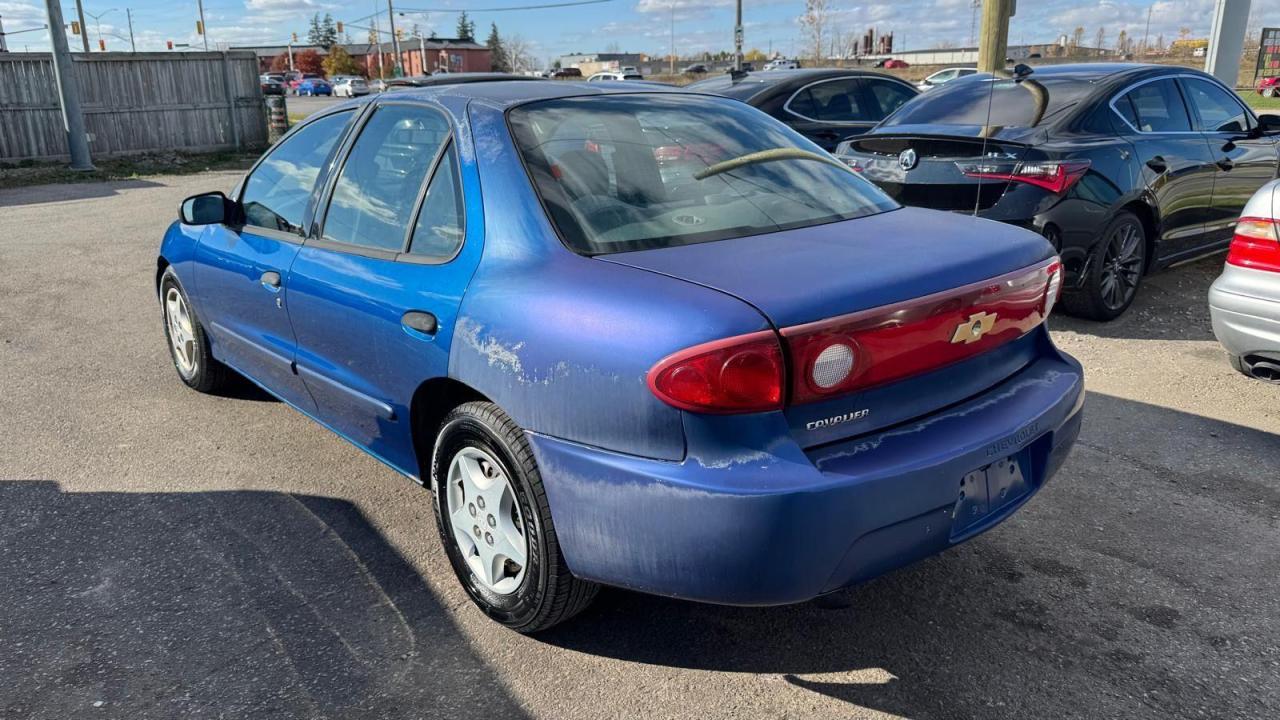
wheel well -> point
(431, 402)
(1150, 227)
(161, 265)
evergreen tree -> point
(466, 28)
(498, 61)
(315, 34)
(328, 31)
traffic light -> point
(295, 37)
(169, 43)
(102, 45)
(75, 28)
(339, 27)
(399, 33)
(199, 27)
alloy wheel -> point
(1121, 265)
(182, 336)
(486, 522)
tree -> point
(755, 55)
(498, 61)
(1077, 38)
(340, 62)
(519, 54)
(814, 24)
(314, 33)
(328, 31)
(280, 63)
(1122, 43)
(1100, 39)
(466, 28)
(308, 61)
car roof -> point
(766, 79)
(509, 93)
(459, 78)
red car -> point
(891, 63)
(1267, 86)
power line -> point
(504, 9)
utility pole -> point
(68, 90)
(395, 40)
(204, 29)
(133, 47)
(672, 56)
(1148, 31)
(737, 40)
(84, 33)
(993, 42)
(3, 47)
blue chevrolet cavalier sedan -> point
(634, 337)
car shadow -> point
(40, 194)
(1172, 304)
(1099, 583)
(226, 604)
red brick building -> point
(418, 56)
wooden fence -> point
(133, 102)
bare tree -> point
(1077, 38)
(519, 53)
(1123, 43)
(814, 22)
(1100, 39)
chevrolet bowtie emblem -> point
(972, 330)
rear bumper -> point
(1245, 319)
(772, 527)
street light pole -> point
(133, 47)
(97, 22)
(84, 29)
(204, 29)
(68, 90)
(737, 40)
(673, 39)
(395, 41)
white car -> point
(781, 64)
(348, 86)
(1244, 302)
(614, 75)
(943, 77)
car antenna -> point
(735, 75)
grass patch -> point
(123, 168)
(1259, 103)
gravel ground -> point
(166, 554)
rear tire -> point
(1268, 92)
(526, 598)
(1113, 271)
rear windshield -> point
(617, 172)
(1021, 104)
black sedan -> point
(1124, 168)
(824, 105)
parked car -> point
(314, 86)
(350, 87)
(781, 64)
(1267, 86)
(826, 106)
(604, 379)
(894, 63)
(272, 85)
(617, 75)
(943, 77)
(697, 69)
(1244, 302)
(295, 79)
(567, 74)
(377, 85)
(1125, 168)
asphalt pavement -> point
(166, 554)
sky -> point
(620, 25)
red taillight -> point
(1255, 245)
(1056, 177)
(736, 375)
(914, 337)
(746, 373)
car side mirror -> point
(1269, 123)
(212, 208)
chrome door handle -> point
(420, 321)
(270, 280)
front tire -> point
(188, 343)
(1113, 271)
(495, 522)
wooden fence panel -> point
(133, 102)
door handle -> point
(420, 321)
(1225, 163)
(270, 280)
(1158, 164)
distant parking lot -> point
(167, 554)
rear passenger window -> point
(889, 96)
(1156, 107)
(439, 231)
(837, 101)
(1218, 110)
(373, 199)
(277, 192)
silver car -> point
(1244, 301)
